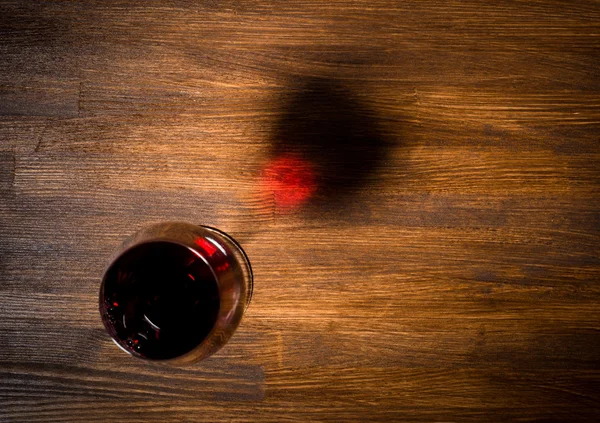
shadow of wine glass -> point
(326, 145)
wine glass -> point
(175, 292)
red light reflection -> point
(223, 267)
(206, 246)
(290, 179)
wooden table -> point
(441, 262)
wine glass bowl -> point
(175, 292)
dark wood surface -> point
(446, 268)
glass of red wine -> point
(175, 292)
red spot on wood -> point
(291, 179)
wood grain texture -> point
(447, 268)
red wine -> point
(160, 300)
